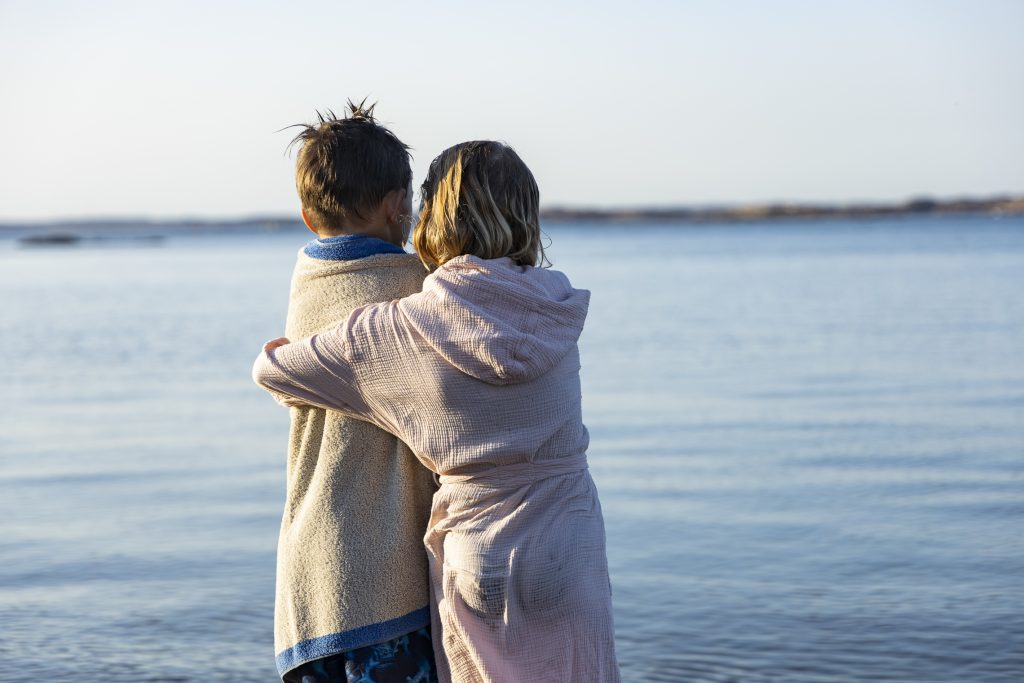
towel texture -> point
(479, 374)
(351, 569)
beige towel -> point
(351, 568)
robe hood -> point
(497, 321)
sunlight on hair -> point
(480, 199)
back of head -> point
(347, 165)
(480, 199)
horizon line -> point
(911, 204)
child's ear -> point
(393, 203)
(305, 219)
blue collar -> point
(349, 248)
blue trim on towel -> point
(349, 248)
(332, 644)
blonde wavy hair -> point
(480, 199)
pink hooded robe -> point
(479, 375)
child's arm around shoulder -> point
(262, 375)
(310, 372)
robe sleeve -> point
(312, 372)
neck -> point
(381, 232)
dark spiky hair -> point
(346, 165)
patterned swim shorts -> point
(405, 659)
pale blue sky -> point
(169, 109)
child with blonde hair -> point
(479, 375)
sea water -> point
(808, 438)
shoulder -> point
(324, 293)
(379, 277)
(393, 276)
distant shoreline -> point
(1000, 206)
(65, 231)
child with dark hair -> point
(352, 583)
